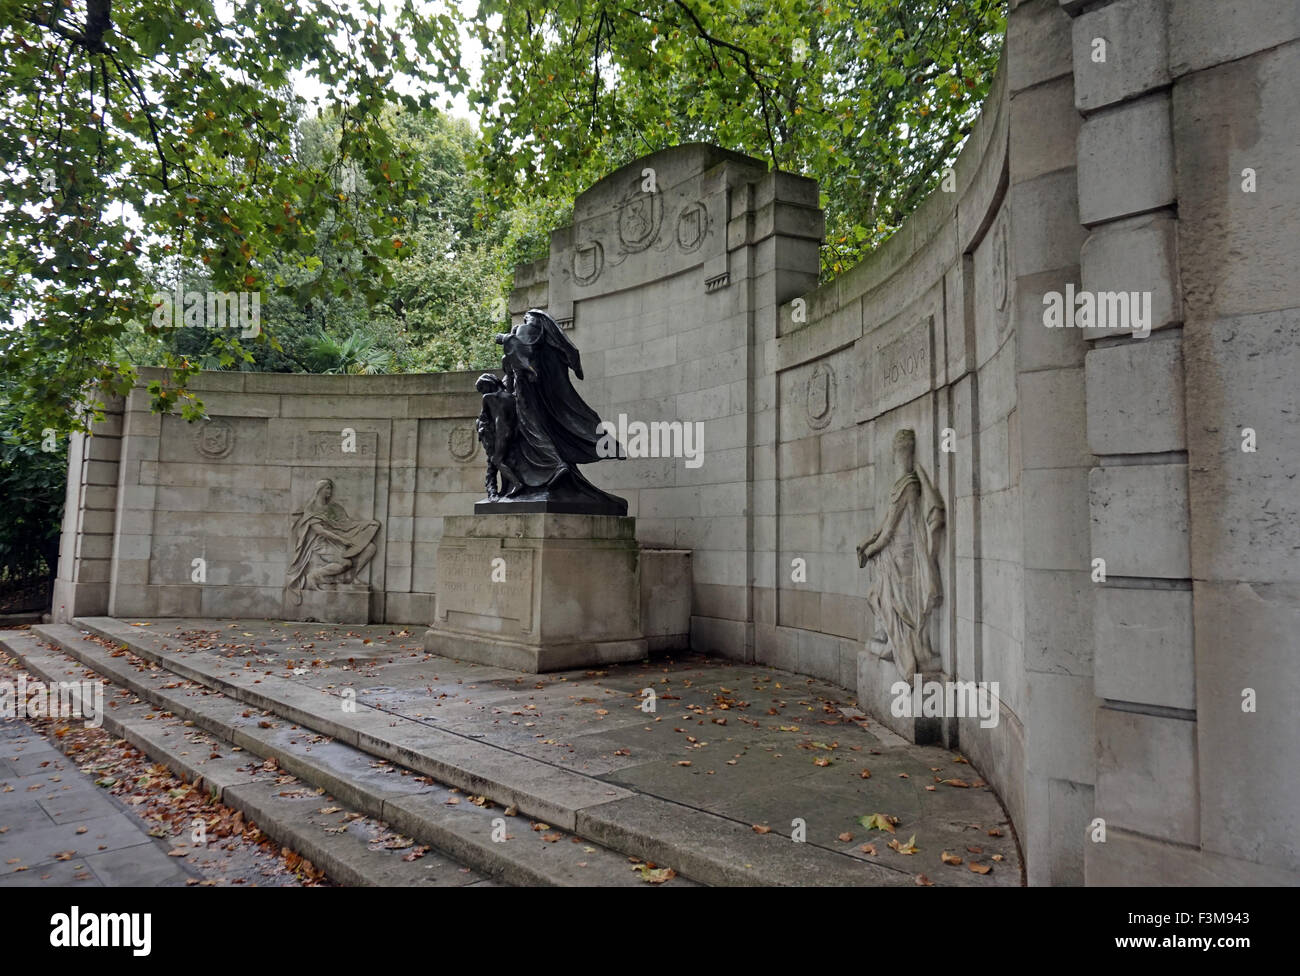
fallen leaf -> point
(865, 774)
(947, 858)
(878, 821)
(956, 782)
(980, 868)
(846, 837)
(924, 882)
(760, 829)
(654, 875)
(908, 848)
(994, 832)
(868, 849)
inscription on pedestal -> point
(470, 581)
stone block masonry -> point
(1106, 553)
(198, 519)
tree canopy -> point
(870, 97)
(139, 133)
(150, 147)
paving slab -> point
(57, 828)
(728, 745)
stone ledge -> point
(533, 658)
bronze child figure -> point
(496, 428)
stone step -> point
(459, 831)
(718, 850)
(288, 818)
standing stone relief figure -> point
(535, 427)
(328, 547)
(904, 552)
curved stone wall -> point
(1099, 549)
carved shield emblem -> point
(462, 443)
(588, 262)
(821, 396)
(639, 219)
(692, 225)
(215, 439)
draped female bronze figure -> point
(536, 429)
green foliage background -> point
(871, 97)
(150, 146)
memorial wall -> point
(1002, 460)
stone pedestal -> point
(538, 592)
(880, 686)
(334, 603)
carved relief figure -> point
(905, 586)
(328, 546)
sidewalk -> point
(58, 828)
